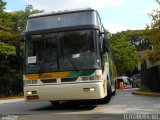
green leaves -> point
(6, 22)
(2, 5)
(124, 53)
(6, 49)
(7, 37)
(154, 36)
(138, 38)
(12, 26)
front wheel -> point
(109, 95)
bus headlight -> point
(34, 81)
(30, 82)
(92, 89)
(85, 78)
(31, 92)
(98, 77)
(91, 78)
(88, 78)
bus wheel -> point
(109, 95)
(54, 102)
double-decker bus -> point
(67, 57)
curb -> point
(6, 101)
(152, 94)
(9, 98)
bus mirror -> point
(105, 45)
(102, 33)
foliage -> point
(12, 27)
(6, 49)
(144, 88)
(124, 53)
(8, 37)
(138, 38)
(10, 83)
(6, 22)
(2, 5)
(154, 36)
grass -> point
(144, 88)
(20, 95)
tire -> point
(132, 85)
(109, 95)
(114, 93)
(55, 103)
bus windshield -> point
(71, 50)
(61, 21)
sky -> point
(116, 15)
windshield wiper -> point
(42, 65)
(72, 63)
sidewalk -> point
(10, 100)
(153, 94)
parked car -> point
(126, 81)
(136, 80)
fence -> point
(151, 78)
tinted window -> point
(61, 51)
(60, 21)
(42, 53)
(77, 48)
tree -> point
(138, 38)
(29, 8)
(6, 49)
(20, 18)
(124, 52)
(7, 38)
(12, 26)
(2, 5)
(154, 36)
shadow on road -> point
(69, 105)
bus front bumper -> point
(61, 92)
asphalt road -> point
(121, 104)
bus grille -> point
(49, 81)
(68, 79)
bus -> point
(67, 57)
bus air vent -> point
(49, 81)
(68, 79)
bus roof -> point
(60, 12)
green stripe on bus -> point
(87, 72)
(80, 73)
